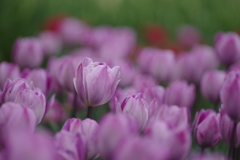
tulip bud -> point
(227, 46)
(206, 129)
(51, 42)
(39, 78)
(211, 84)
(95, 82)
(112, 129)
(174, 116)
(30, 48)
(226, 129)
(69, 146)
(230, 93)
(33, 99)
(87, 131)
(16, 117)
(180, 93)
(137, 108)
(8, 71)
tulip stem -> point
(74, 110)
(89, 109)
(231, 152)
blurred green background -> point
(26, 17)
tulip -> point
(56, 113)
(29, 146)
(188, 35)
(30, 48)
(155, 92)
(230, 93)
(143, 81)
(33, 99)
(16, 116)
(206, 129)
(39, 78)
(180, 93)
(87, 131)
(112, 129)
(135, 107)
(8, 71)
(227, 46)
(174, 116)
(226, 129)
(51, 42)
(69, 146)
(211, 84)
(95, 82)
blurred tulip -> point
(95, 82)
(230, 93)
(8, 71)
(136, 108)
(155, 92)
(56, 113)
(188, 35)
(142, 81)
(69, 146)
(227, 46)
(40, 79)
(112, 129)
(51, 42)
(87, 131)
(211, 84)
(180, 93)
(206, 129)
(28, 47)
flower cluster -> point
(150, 96)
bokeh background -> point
(21, 18)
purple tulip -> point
(143, 81)
(206, 129)
(29, 146)
(186, 67)
(211, 84)
(95, 82)
(227, 47)
(188, 35)
(174, 116)
(155, 92)
(28, 52)
(12, 88)
(112, 129)
(56, 113)
(180, 93)
(14, 116)
(135, 107)
(51, 42)
(33, 99)
(69, 146)
(226, 129)
(39, 78)
(177, 142)
(230, 93)
(87, 131)
(135, 148)
(8, 71)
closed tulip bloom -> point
(112, 129)
(136, 108)
(188, 35)
(87, 131)
(95, 82)
(155, 92)
(30, 48)
(226, 129)
(33, 99)
(206, 129)
(28, 146)
(12, 88)
(174, 116)
(211, 84)
(142, 81)
(227, 46)
(180, 93)
(40, 79)
(51, 42)
(69, 146)
(230, 93)
(8, 71)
